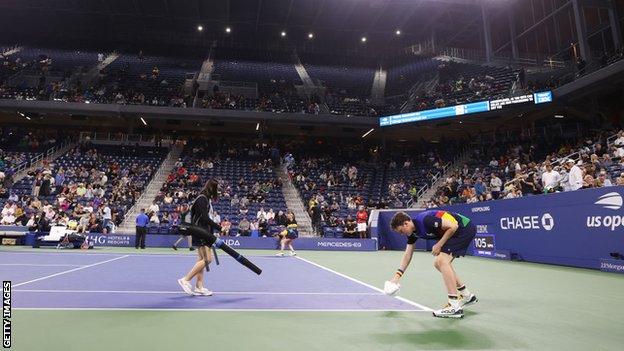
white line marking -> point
(365, 284)
(204, 309)
(41, 265)
(172, 254)
(181, 292)
(69, 271)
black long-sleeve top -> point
(200, 213)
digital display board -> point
(459, 110)
(484, 245)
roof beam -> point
(228, 6)
(318, 13)
(198, 6)
(378, 16)
(411, 13)
(258, 14)
(534, 26)
(290, 6)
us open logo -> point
(612, 201)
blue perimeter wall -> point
(156, 240)
(578, 228)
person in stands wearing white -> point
(575, 178)
(495, 184)
(619, 142)
(107, 217)
(154, 208)
(550, 178)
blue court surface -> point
(114, 281)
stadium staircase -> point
(422, 86)
(294, 202)
(449, 170)
(303, 74)
(37, 161)
(152, 189)
(94, 72)
(207, 67)
(379, 86)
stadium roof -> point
(253, 23)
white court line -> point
(181, 292)
(41, 265)
(69, 271)
(425, 308)
(172, 254)
(202, 309)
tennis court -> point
(122, 299)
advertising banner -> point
(577, 228)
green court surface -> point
(522, 306)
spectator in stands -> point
(7, 218)
(350, 228)
(216, 217)
(244, 227)
(254, 225)
(226, 225)
(603, 180)
(479, 187)
(262, 214)
(618, 151)
(37, 185)
(166, 219)
(154, 208)
(107, 216)
(619, 142)
(550, 179)
(271, 215)
(588, 181)
(495, 185)
(580, 65)
(94, 226)
(575, 175)
(280, 219)
(243, 210)
(154, 219)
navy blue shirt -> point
(142, 220)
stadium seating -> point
(130, 79)
(138, 164)
(135, 79)
(231, 171)
(405, 72)
(517, 162)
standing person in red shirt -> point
(362, 220)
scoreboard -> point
(465, 109)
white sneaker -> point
(468, 300)
(202, 292)
(449, 311)
(292, 253)
(280, 254)
(186, 286)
